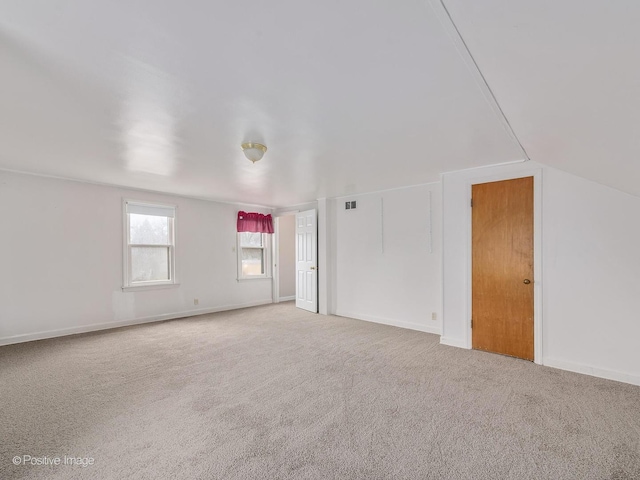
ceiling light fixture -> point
(253, 151)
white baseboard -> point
(453, 342)
(287, 299)
(593, 371)
(29, 337)
(393, 323)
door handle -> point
(526, 281)
(313, 268)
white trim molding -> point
(275, 261)
(28, 337)
(592, 371)
(155, 286)
(453, 342)
(457, 187)
(393, 323)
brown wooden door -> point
(502, 264)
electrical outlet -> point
(196, 301)
(434, 316)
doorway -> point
(286, 258)
(503, 267)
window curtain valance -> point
(254, 222)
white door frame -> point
(275, 259)
(536, 173)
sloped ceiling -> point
(567, 75)
(349, 97)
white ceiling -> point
(567, 76)
(349, 97)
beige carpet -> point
(276, 393)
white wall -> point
(590, 293)
(389, 275)
(327, 246)
(591, 257)
(287, 255)
(61, 260)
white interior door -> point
(307, 260)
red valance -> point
(254, 222)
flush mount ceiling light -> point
(253, 151)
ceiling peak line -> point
(446, 20)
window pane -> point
(250, 239)
(252, 261)
(149, 264)
(148, 229)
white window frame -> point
(266, 248)
(127, 283)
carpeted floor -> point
(276, 393)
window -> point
(149, 245)
(253, 255)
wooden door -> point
(307, 261)
(502, 267)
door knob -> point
(526, 281)
(313, 268)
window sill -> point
(142, 288)
(247, 279)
